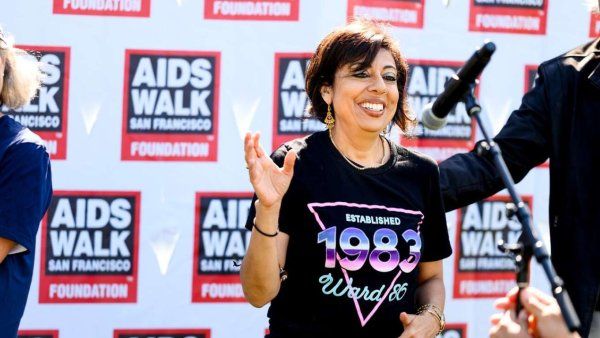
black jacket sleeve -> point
(524, 141)
(436, 243)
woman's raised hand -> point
(269, 181)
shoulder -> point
(574, 61)
(300, 145)
(414, 158)
(29, 145)
(26, 150)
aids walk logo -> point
(37, 334)
(46, 114)
(426, 80)
(506, 16)
(170, 106)
(401, 13)
(481, 269)
(595, 25)
(220, 243)
(453, 330)
(162, 333)
(90, 248)
(265, 10)
(290, 117)
(136, 8)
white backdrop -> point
(162, 272)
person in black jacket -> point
(558, 119)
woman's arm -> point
(264, 258)
(431, 284)
(267, 249)
(429, 292)
(5, 246)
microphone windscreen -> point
(429, 120)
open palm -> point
(270, 182)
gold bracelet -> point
(436, 312)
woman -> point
(353, 222)
(25, 185)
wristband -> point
(264, 233)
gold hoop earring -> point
(329, 120)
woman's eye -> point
(390, 78)
(361, 74)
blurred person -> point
(558, 120)
(348, 228)
(25, 185)
(540, 317)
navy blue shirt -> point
(25, 192)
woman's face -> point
(364, 100)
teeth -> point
(372, 106)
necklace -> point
(354, 164)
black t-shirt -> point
(356, 237)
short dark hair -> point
(357, 42)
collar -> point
(595, 76)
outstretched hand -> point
(418, 326)
(270, 182)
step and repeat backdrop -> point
(144, 107)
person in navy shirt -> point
(25, 186)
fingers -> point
(512, 294)
(249, 153)
(495, 318)
(523, 319)
(406, 319)
(259, 150)
(288, 162)
(532, 303)
(539, 295)
(503, 303)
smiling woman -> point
(348, 229)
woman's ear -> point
(327, 93)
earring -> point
(329, 120)
(386, 129)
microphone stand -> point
(529, 243)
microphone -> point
(434, 113)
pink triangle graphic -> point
(312, 206)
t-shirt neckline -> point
(334, 152)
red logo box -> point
(290, 118)
(37, 334)
(480, 269)
(595, 25)
(134, 8)
(164, 333)
(454, 330)
(89, 247)
(220, 242)
(263, 10)
(517, 19)
(47, 113)
(426, 80)
(400, 13)
(170, 105)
